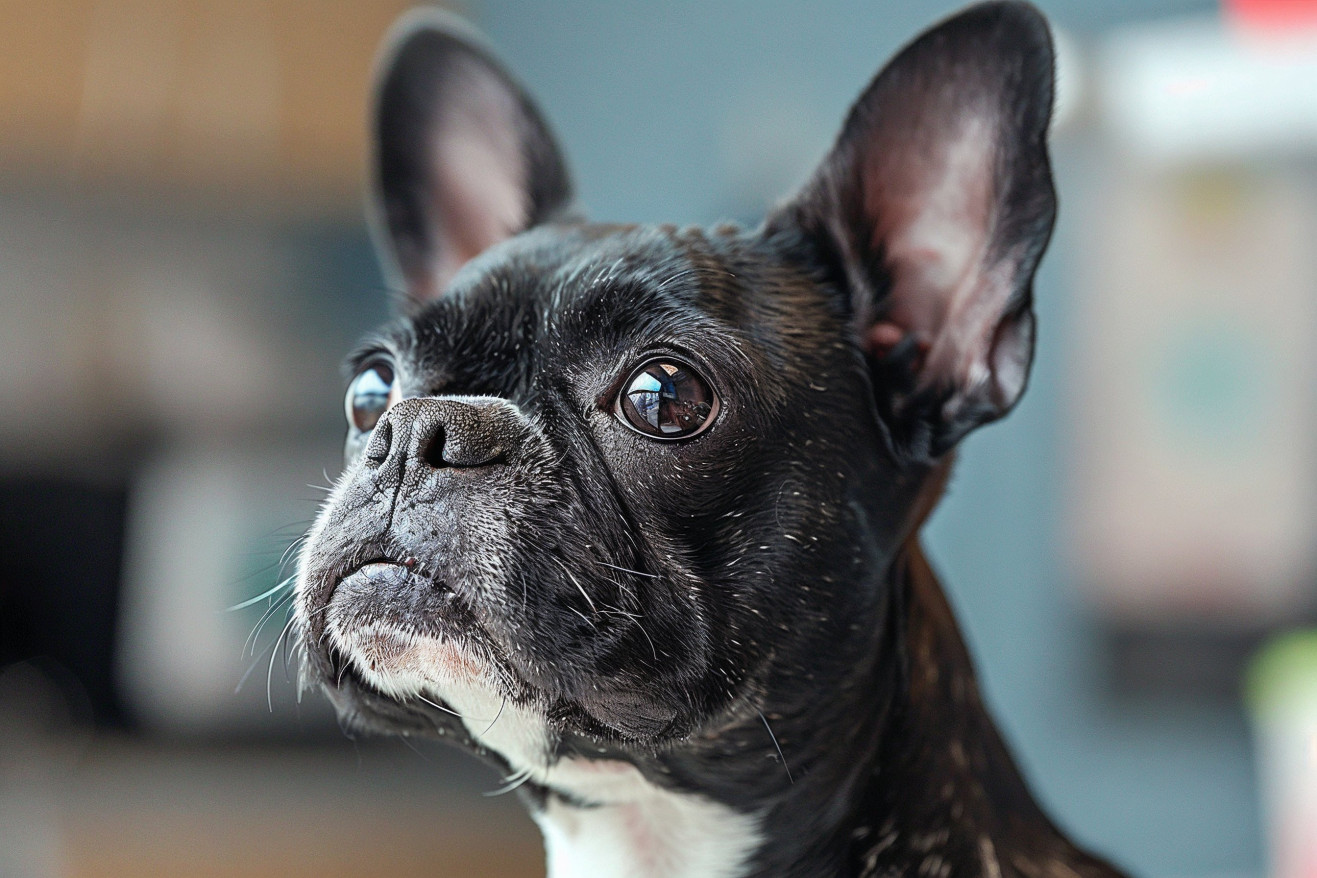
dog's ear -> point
(934, 208)
(462, 157)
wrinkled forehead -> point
(567, 270)
(588, 292)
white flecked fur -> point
(632, 829)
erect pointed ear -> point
(935, 206)
(462, 157)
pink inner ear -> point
(883, 337)
(478, 191)
(933, 196)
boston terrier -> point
(633, 511)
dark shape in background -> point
(61, 554)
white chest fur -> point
(639, 830)
(632, 828)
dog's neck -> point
(943, 788)
(908, 775)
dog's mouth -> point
(400, 640)
(392, 628)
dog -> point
(632, 512)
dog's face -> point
(628, 485)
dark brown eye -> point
(369, 396)
(667, 399)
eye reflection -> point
(369, 397)
(667, 399)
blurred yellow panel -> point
(43, 51)
(216, 97)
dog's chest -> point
(630, 827)
(634, 828)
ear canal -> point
(462, 159)
(935, 206)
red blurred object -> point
(1278, 15)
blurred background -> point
(183, 264)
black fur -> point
(746, 614)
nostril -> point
(433, 452)
(381, 439)
(444, 433)
(455, 448)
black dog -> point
(632, 511)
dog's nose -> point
(445, 431)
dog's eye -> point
(369, 396)
(667, 399)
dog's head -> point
(634, 484)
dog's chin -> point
(403, 647)
(403, 635)
(402, 664)
(397, 646)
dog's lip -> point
(381, 565)
(449, 617)
(376, 572)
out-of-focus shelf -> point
(246, 100)
(128, 808)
